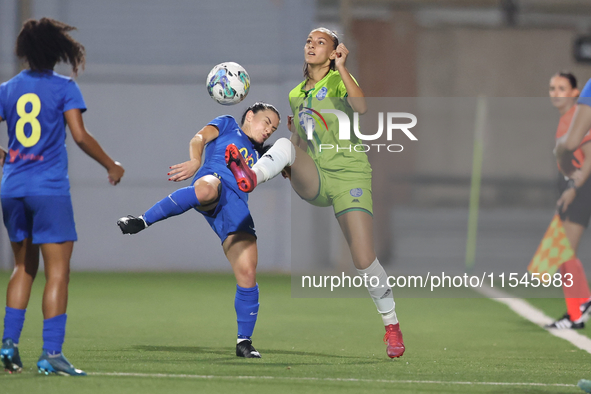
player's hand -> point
(115, 173)
(342, 53)
(290, 124)
(566, 199)
(183, 171)
(2, 157)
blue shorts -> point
(230, 216)
(44, 219)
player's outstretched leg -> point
(174, 204)
(131, 225)
(57, 364)
(10, 357)
(281, 155)
(393, 340)
(245, 177)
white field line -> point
(307, 379)
(536, 316)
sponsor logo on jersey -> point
(15, 154)
(357, 192)
(322, 93)
(355, 200)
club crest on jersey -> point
(322, 93)
(308, 118)
(357, 192)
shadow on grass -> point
(229, 355)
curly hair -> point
(46, 42)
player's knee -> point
(246, 272)
(56, 274)
(206, 193)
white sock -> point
(382, 293)
(390, 318)
(282, 154)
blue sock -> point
(176, 203)
(54, 332)
(13, 324)
(247, 310)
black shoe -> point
(566, 322)
(131, 224)
(585, 311)
(245, 349)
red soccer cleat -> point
(393, 339)
(245, 177)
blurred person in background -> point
(36, 205)
(339, 177)
(578, 130)
(574, 204)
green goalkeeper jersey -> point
(326, 149)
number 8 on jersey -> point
(28, 117)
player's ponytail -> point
(46, 42)
(335, 41)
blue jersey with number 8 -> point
(33, 105)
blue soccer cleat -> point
(58, 365)
(585, 385)
(10, 357)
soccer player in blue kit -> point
(36, 205)
(215, 194)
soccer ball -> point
(228, 83)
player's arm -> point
(355, 95)
(182, 171)
(579, 178)
(91, 147)
(567, 144)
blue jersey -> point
(33, 105)
(585, 97)
(215, 152)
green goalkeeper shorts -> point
(344, 195)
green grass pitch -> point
(175, 333)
